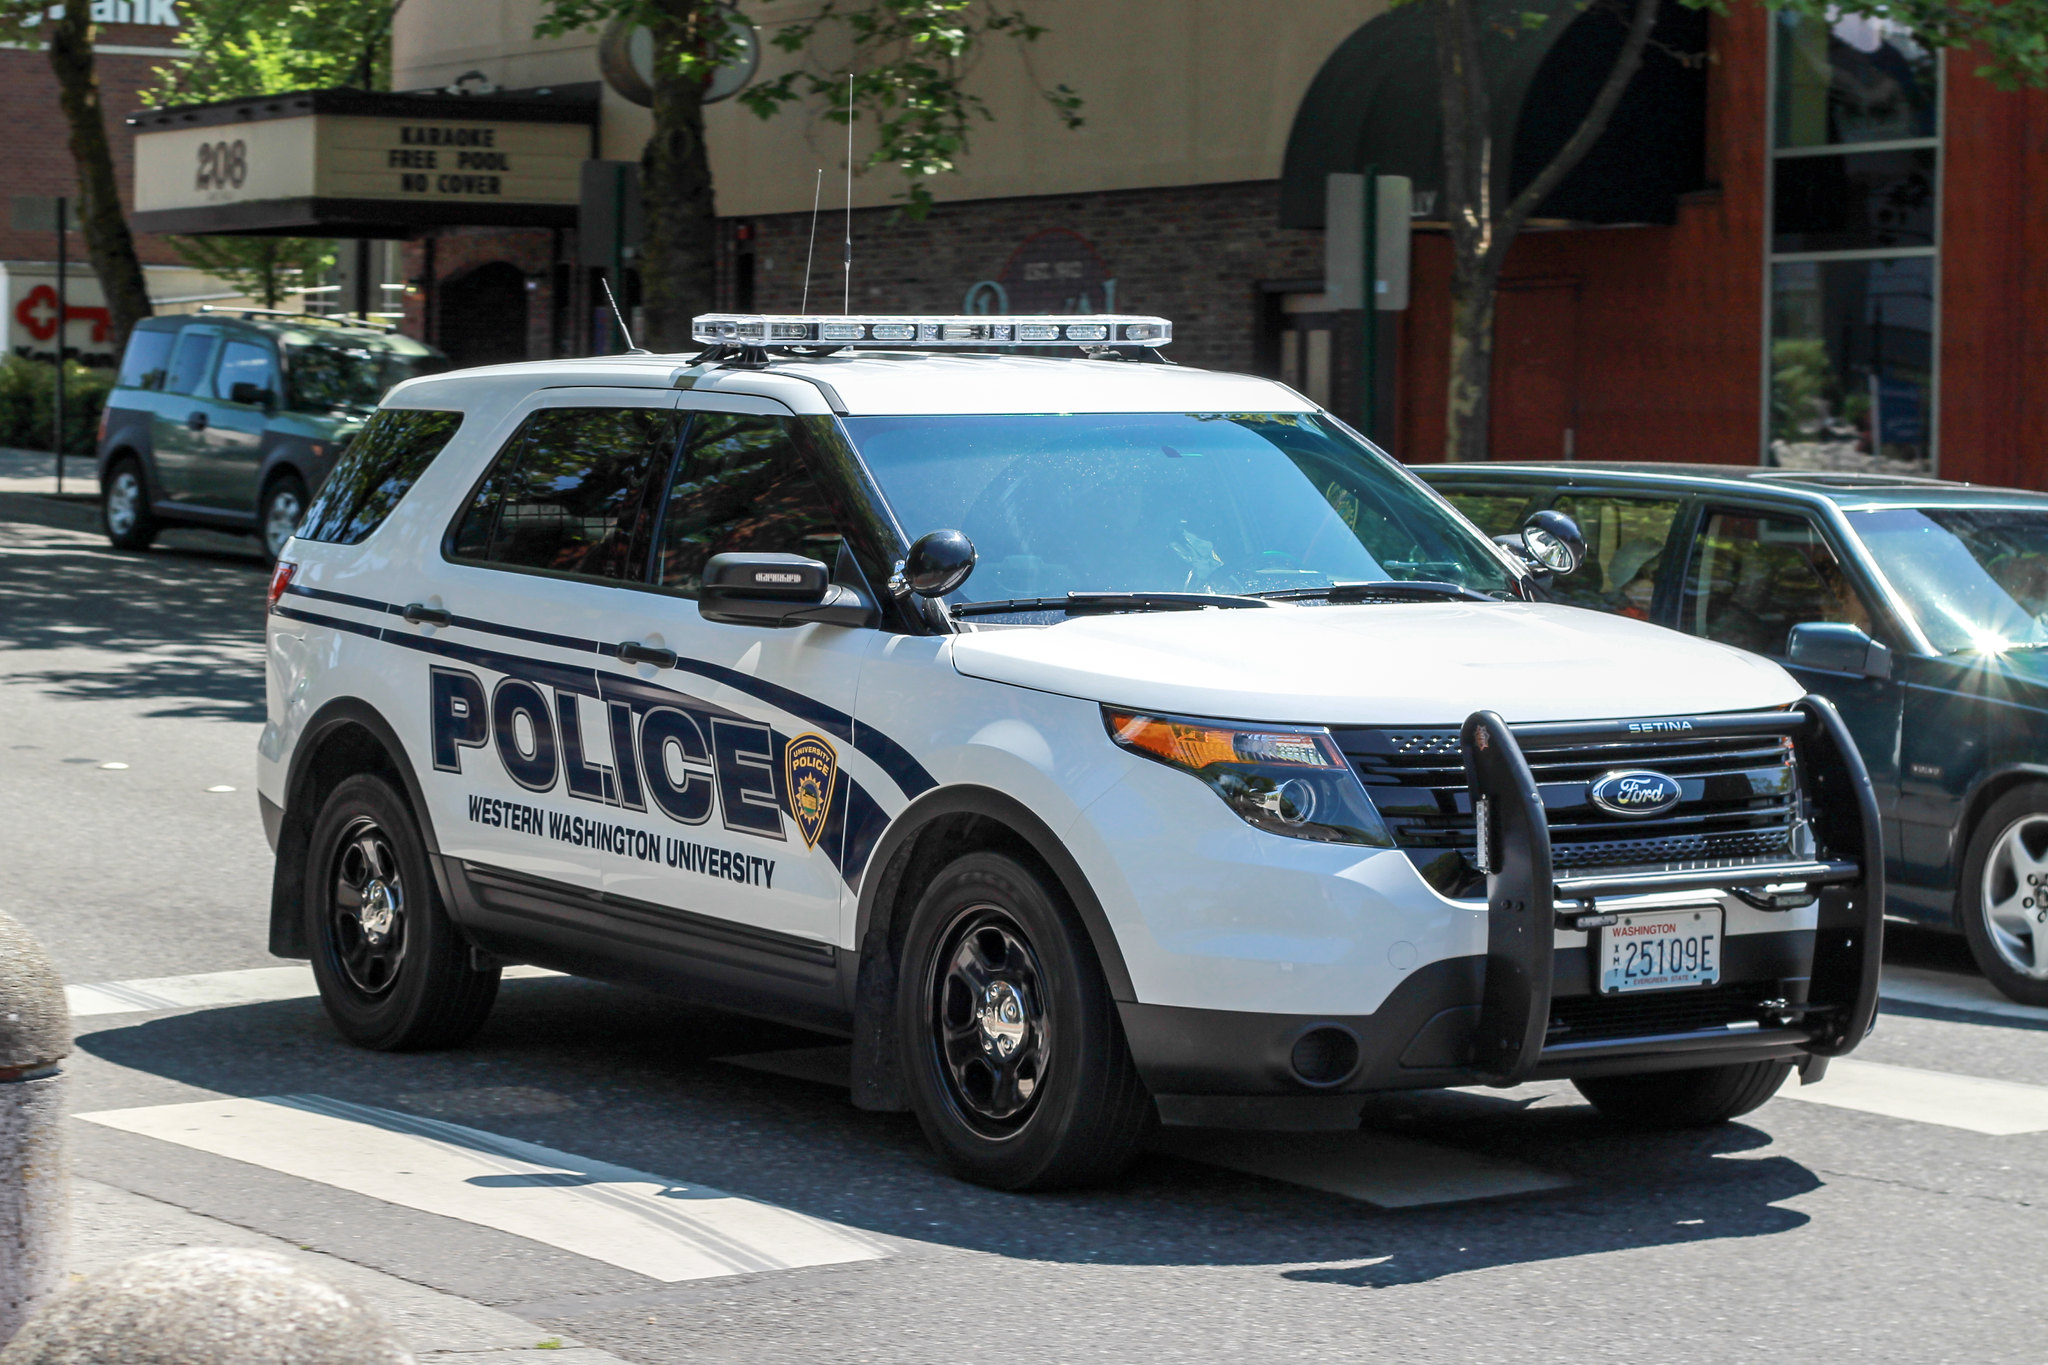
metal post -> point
(35, 1036)
(63, 300)
(1369, 352)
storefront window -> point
(1854, 191)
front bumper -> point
(1527, 1008)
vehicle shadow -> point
(179, 628)
(627, 1079)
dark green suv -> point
(230, 420)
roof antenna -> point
(620, 318)
(846, 305)
(812, 250)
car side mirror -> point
(1552, 543)
(253, 395)
(938, 563)
(1836, 647)
(778, 590)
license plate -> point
(1655, 951)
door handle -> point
(416, 614)
(197, 421)
(633, 652)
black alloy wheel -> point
(989, 1020)
(394, 972)
(366, 908)
(1012, 1045)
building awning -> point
(353, 163)
(1375, 104)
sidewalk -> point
(35, 471)
(110, 1225)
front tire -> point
(125, 512)
(1016, 1058)
(284, 506)
(2003, 898)
(1698, 1098)
(394, 974)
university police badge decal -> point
(809, 766)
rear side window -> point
(189, 362)
(386, 458)
(741, 486)
(573, 492)
(148, 355)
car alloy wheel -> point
(367, 909)
(124, 503)
(991, 1033)
(2015, 895)
(281, 515)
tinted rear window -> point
(386, 458)
(148, 353)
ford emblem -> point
(1634, 793)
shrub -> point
(28, 398)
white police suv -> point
(1090, 739)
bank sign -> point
(348, 157)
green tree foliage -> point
(264, 268)
(902, 65)
(263, 47)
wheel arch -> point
(345, 737)
(934, 829)
(1987, 789)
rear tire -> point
(1697, 1098)
(278, 516)
(2003, 897)
(125, 512)
(394, 974)
(1015, 1056)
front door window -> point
(1753, 577)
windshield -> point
(340, 372)
(1167, 502)
(1976, 579)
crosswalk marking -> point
(255, 985)
(1953, 991)
(1975, 1103)
(664, 1229)
(1374, 1168)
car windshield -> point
(328, 373)
(1202, 502)
(1976, 579)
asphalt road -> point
(1810, 1231)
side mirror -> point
(1552, 543)
(1835, 647)
(778, 590)
(253, 395)
(936, 565)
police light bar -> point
(773, 329)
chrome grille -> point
(1739, 803)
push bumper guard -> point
(1526, 901)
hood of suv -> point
(1399, 664)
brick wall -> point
(35, 155)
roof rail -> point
(325, 319)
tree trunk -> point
(1468, 426)
(678, 260)
(108, 243)
(1480, 234)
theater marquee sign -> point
(343, 163)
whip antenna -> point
(812, 250)
(846, 303)
(620, 318)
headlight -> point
(1283, 779)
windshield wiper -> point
(1396, 589)
(1105, 603)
